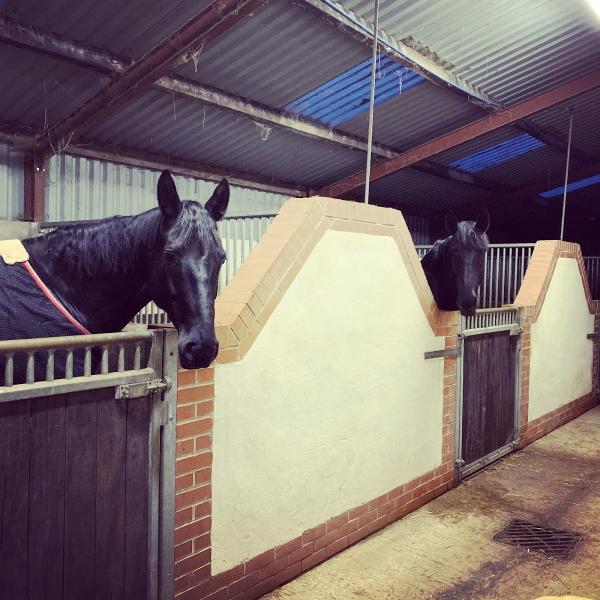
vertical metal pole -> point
(372, 102)
(562, 222)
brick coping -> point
(259, 285)
(540, 270)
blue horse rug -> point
(28, 309)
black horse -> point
(103, 273)
(454, 266)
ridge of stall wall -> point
(80, 189)
(11, 183)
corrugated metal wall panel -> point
(419, 228)
(11, 183)
(80, 189)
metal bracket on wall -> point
(593, 336)
(442, 353)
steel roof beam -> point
(189, 168)
(141, 74)
(554, 140)
(470, 132)
(106, 63)
(362, 30)
(137, 158)
(532, 190)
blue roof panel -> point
(347, 95)
(571, 187)
(497, 154)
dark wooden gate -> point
(488, 404)
(80, 479)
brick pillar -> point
(193, 471)
(449, 327)
(596, 351)
(524, 363)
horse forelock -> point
(467, 234)
(193, 222)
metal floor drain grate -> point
(552, 542)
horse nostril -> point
(192, 350)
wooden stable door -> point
(488, 398)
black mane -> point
(115, 246)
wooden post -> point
(35, 170)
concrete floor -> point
(445, 550)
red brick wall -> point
(533, 292)
(261, 574)
(193, 471)
(277, 565)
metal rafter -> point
(469, 132)
(138, 158)
(107, 63)
(140, 75)
(362, 31)
(533, 189)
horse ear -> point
(217, 203)
(168, 198)
(451, 223)
(483, 221)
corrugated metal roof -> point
(572, 187)
(477, 145)
(415, 117)
(11, 183)
(413, 188)
(130, 28)
(586, 121)
(38, 90)
(81, 189)
(510, 49)
(348, 95)
(161, 123)
(535, 165)
(275, 56)
(497, 154)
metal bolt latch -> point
(127, 391)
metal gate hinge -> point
(459, 462)
(516, 330)
(165, 414)
(138, 390)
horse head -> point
(467, 247)
(186, 268)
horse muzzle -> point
(467, 310)
(197, 353)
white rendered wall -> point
(332, 406)
(561, 354)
